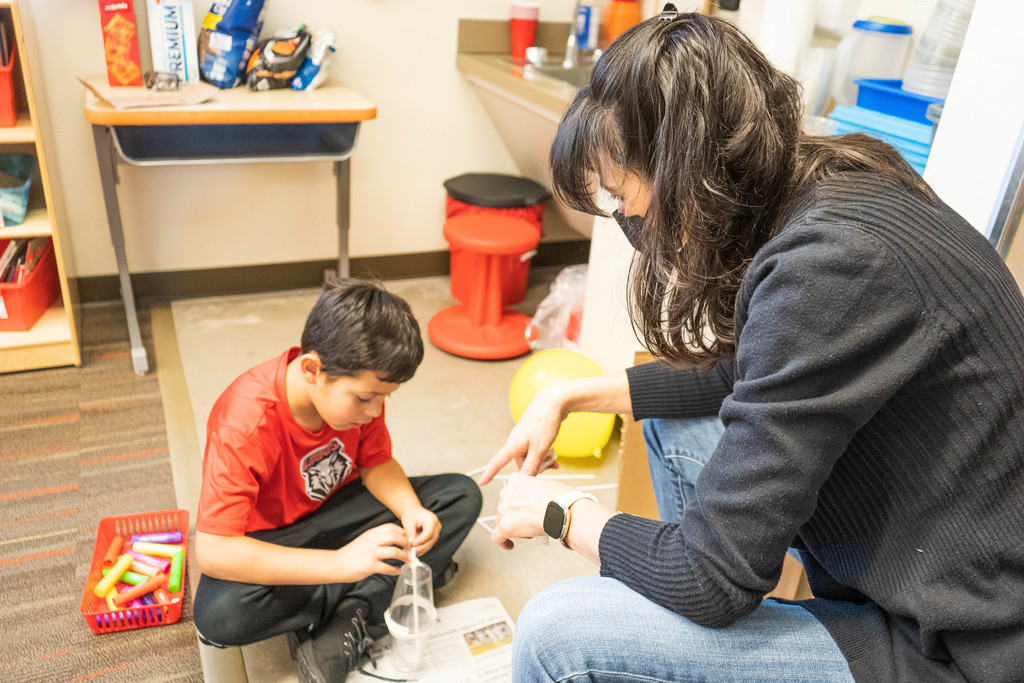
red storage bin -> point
(8, 108)
(501, 195)
(22, 304)
(98, 615)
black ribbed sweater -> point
(874, 416)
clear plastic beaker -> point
(411, 616)
(931, 67)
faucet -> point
(571, 48)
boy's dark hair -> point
(358, 325)
(695, 109)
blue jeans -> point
(676, 453)
(599, 631)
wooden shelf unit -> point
(54, 340)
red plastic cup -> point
(523, 27)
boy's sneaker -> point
(328, 655)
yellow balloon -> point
(581, 434)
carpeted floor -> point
(76, 445)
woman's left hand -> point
(521, 506)
(422, 527)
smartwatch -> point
(557, 515)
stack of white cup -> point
(930, 69)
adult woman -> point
(862, 348)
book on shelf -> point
(5, 43)
(19, 256)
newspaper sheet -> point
(471, 643)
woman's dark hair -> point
(357, 325)
(693, 108)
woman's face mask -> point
(633, 195)
(630, 226)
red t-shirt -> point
(262, 470)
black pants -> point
(234, 613)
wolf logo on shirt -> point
(325, 468)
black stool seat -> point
(495, 190)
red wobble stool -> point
(482, 327)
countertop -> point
(513, 77)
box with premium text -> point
(172, 37)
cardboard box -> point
(636, 496)
(120, 42)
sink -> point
(576, 76)
(526, 102)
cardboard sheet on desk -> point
(132, 97)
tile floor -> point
(452, 416)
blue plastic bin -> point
(911, 139)
(14, 200)
(889, 97)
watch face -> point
(554, 520)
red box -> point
(120, 42)
(26, 301)
(98, 615)
(8, 108)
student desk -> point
(235, 126)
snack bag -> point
(313, 71)
(276, 60)
(227, 38)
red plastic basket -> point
(8, 106)
(97, 614)
(25, 303)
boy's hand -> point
(422, 528)
(365, 556)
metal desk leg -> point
(108, 179)
(343, 173)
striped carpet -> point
(77, 445)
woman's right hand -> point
(529, 442)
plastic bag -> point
(277, 59)
(227, 38)
(556, 324)
(313, 71)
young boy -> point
(304, 517)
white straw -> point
(553, 476)
(598, 487)
(415, 598)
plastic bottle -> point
(622, 15)
(875, 49)
(587, 26)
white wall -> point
(399, 55)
